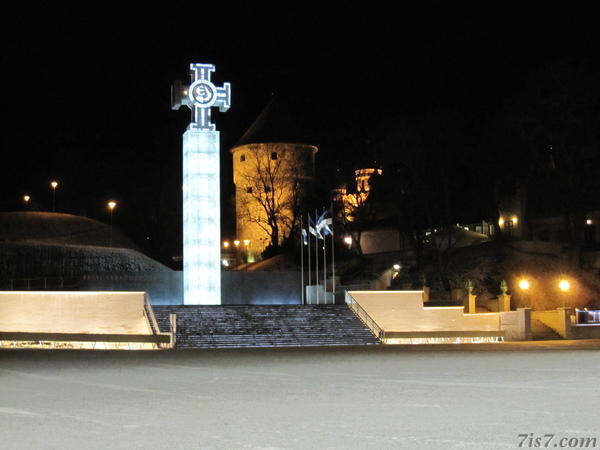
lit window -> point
(273, 155)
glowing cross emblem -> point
(203, 95)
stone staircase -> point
(264, 326)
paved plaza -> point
(419, 397)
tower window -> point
(242, 158)
(249, 190)
(273, 155)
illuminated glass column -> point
(201, 187)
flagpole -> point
(317, 256)
(332, 256)
(324, 265)
(301, 261)
(308, 248)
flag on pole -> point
(312, 228)
(323, 223)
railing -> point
(41, 283)
(149, 314)
(364, 317)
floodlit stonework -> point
(270, 180)
(353, 199)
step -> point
(264, 326)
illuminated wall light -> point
(514, 220)
(226, 244)
(501, 221)
(588, 222)
(26, 198)
(564, 285)
(236, 243)
(246, 242)
(225, 263)
(397, 266)
(445, 340)
(348, 240)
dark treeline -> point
(448, 166)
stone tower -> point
(273, 166)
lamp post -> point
(54, 185)
(524, 285)
(26, 199)
(348, 241)
(564, 286)
(111, 207)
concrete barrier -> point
(78, 317)
(400, 312)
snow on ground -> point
(417, 398)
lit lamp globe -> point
(524, 284)
(564, 285)
(111, 205)
(26, 198)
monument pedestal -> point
(201, 218)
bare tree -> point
(272, 188)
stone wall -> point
(73, 312)
(237, 287)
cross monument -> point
(201, 186)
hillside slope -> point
(41, 244)
(59, 228)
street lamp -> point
(564, 286)
(54, 185)
(524, 285)
(348, 241)
(26, 198)
(111, 207)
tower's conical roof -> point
(282, 120)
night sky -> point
(89, 87)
